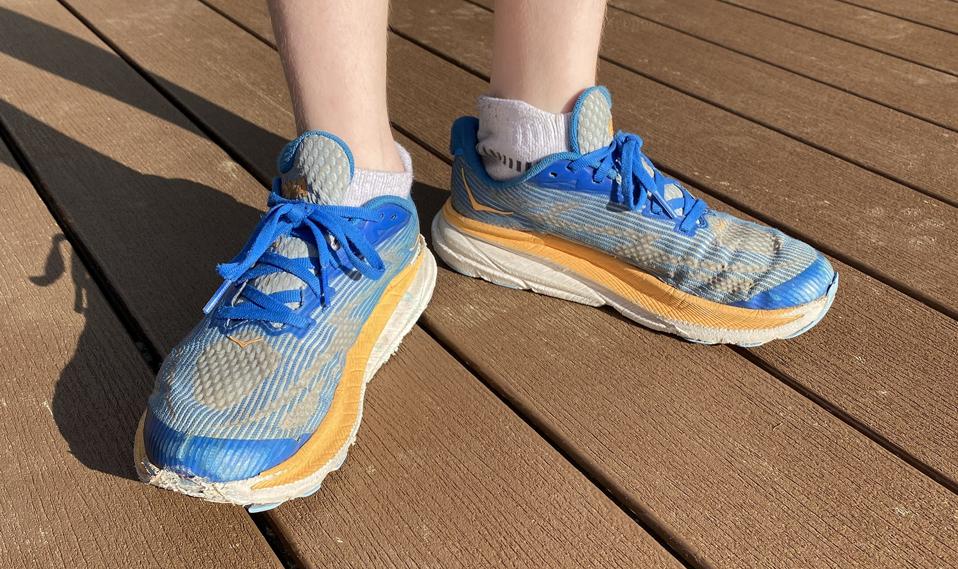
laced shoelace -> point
(336, 239)
(623, 160)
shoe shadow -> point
(155, 239)
(429, 200)
(162, 275)
(97, 418)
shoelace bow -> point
(622, 159)
(336, 239)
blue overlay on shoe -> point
(807, 286)
(638, 186)
(214, 459)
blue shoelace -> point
(623, 158)
(336, 239)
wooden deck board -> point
(873, 136)
(443, 472)
(913, 42)
(941, 14)
(72, 387)
(671, 410)
(445, 476)
(733, 467)
(908, 87)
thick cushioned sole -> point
(301, 475)
(567, 270)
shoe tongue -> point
(316, 167)
(591, 124)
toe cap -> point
(809, 285)
(214, 459)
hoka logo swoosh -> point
(475, 203)
(244, 343)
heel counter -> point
(456, 189)
(462, 146)
(462, 136)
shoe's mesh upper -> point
(318, 169)
(244, 380)
(243, 383)
(728, 260)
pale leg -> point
(334, 56)
(545, 51)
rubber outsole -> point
(245, 492)
(467, 252)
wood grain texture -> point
(446, 477)
(903, 148)
(911, 88)
(913, 42)
(72, 387)
(445, 473)
(737, 469)
(900, 147)
(941, 14)
(908, 87)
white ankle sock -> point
(514, 135)
(369, 184)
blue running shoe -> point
(601, 225)
(264, 397)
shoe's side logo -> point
(243, 344)
(474, 203)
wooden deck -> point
(510, 430)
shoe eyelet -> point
(382, 216)
(393, 217)
(553, 175)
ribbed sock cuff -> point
(513, 135)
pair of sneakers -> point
(265, 395)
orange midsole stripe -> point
(334, 431)
(621, 278)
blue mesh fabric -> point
(280, 386)
(727, 260)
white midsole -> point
(241, 492)
(474, 257)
